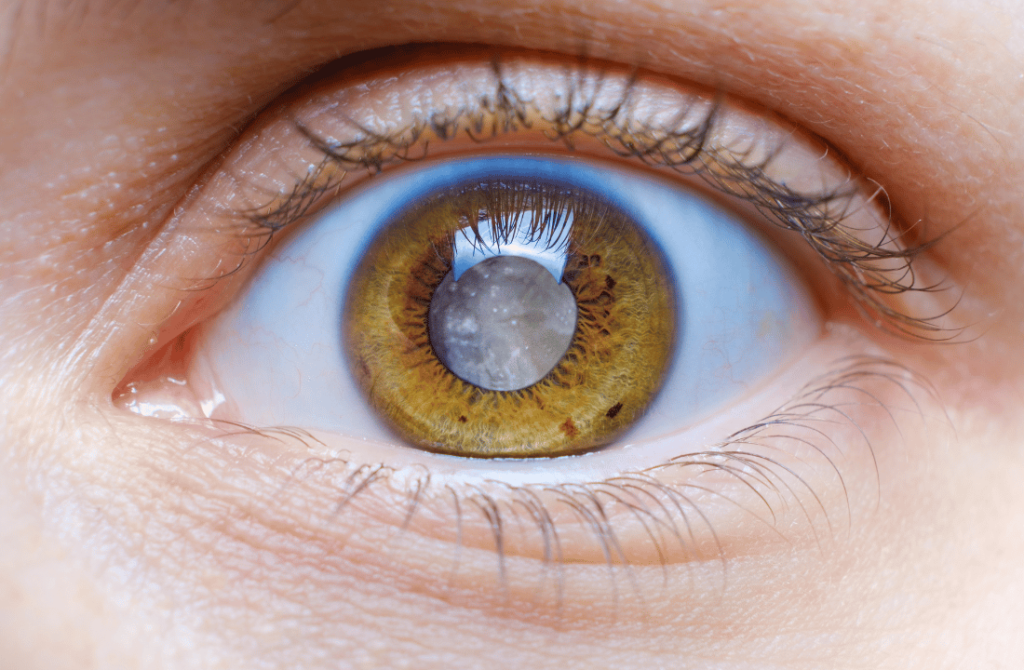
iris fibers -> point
(506, 372)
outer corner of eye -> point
(503, 306)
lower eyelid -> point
(809, 477)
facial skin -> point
(130, 542)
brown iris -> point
(615, 355)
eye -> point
(770, 266)
(398, 309)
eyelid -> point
(804, 473)
(793, 180)
(312, 145)
(219, 231)
(278, 175)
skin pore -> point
(130, 542)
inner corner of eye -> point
(505, 307)
(163, 385)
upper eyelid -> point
(873, 269)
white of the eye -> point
(277, 353)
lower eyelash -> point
(670, 517)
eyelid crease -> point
(875, 265)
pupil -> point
(504, 325)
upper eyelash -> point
(871, 271)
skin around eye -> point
(131, 541)
(723, 488)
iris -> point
(430, 332)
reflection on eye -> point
(668, 291)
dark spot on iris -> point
(614, 410)
(609, 282)
(462, 419)
(569, 428)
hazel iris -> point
(510, 317)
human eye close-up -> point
(383, 335)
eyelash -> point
(667, 513)
(657, 507)
(873, 272)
